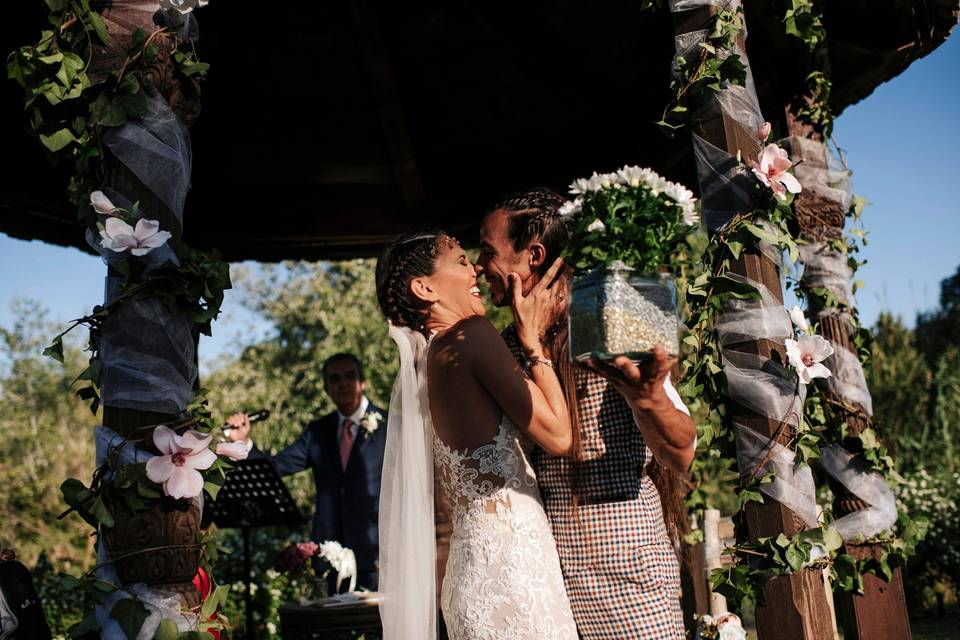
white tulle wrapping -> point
(407, 542)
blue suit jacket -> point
(348, 501)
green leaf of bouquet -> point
(130, 614)
(57, 5)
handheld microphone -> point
(256, 416)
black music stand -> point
(253, 495)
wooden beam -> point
(881, 612)
(390, 107)
(795, 606)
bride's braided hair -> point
(409, 256)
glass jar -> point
(616, 310)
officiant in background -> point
(344, 450)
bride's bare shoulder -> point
(469, 336)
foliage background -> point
(318, 309)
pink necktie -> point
(346, 442)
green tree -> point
(45, 436)
(899, 381)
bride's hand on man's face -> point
(539, 309)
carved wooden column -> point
(160, 524)
(795, 606)
(881, 613)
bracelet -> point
(535, 360)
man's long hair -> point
(534, 217)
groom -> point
(619, 566)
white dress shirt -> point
(356, 416)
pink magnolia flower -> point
(799, 320)
(771, 170)
(806, 353)
(101, 203)
(183, 457)
(232, 450)
(764, 131)
(119, 236)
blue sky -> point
(901, 143)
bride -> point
(462, 408)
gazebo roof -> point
(328, 128)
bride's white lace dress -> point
(503, 579)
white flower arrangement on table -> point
(343, 561)
(723, 627)
(370, 422)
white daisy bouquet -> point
(632, 216)
(625, 229)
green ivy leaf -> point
(55, 350)
(167, 631)
(796, 557)
(58, 139)
(107, 110)
(130, 614)
(88, 625)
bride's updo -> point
(409, 256)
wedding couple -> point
(579, 547)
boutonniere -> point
(370, 422)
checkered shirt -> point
(619, 567)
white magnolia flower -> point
(806, 354)
(181, 460)
(183, 6)
(370, 422)
(799, 320)
(596, 226)
(101, 203)
(707, 620)
(342, 560)
(119, 236)
(570, 208)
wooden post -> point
(795, 606)
(157, 525)
(881, 612)
(694, 586)
(711, 557)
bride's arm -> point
(537, 406)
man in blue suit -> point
(345, 451)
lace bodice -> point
(487, 479)
(503, 579)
